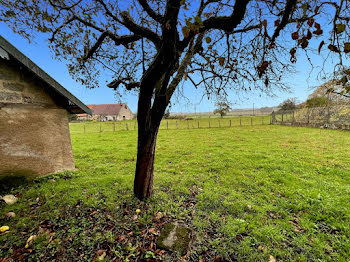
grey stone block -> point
(175, 238)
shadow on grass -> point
(13, 179)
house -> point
(34, 110)
(108, 112)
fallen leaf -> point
(4, 229)
(262, 248)
(122, 238)
(10, 199)
(101, 254)
(30, 240)
(152, 230)
(158, 215)
(10, 214)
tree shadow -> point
(10, 180)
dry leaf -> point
(152, 230)
(158, 215)
(30, 240)
(4, 229)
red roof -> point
(105, 109)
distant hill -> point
(257, 111)
(234, 112)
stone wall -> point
(34, 131)
(125, 111)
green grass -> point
(247, 192)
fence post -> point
(198, 124)
(293, 120)
(282, 117)
(114, 127)
(84, 129)
(126, 126)
(240, 121)
(167, 125)
(230, 122)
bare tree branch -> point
(139, 30)
(118, 40)
(154, 15)
(288, 11)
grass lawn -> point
(248, 193)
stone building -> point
(34, 109)
(108, 112)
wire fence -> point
(171, 124)
(334, 117)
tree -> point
(341, 83)
(72, 117)
(317, 101)
(222, 108)
(167, 114)
(289, 104)
(332, 92)
(152, 46)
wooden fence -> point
(171, 124)
(333, 117)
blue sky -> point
(38, 51)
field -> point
(249, 193)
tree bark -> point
(154, 86)
(146, 145)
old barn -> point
(108, 112)
(34, 110)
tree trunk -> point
(146, 145)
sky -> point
(300, 83)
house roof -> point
(57, 91)
(106, 109)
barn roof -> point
(106, 109)
(61, 95)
